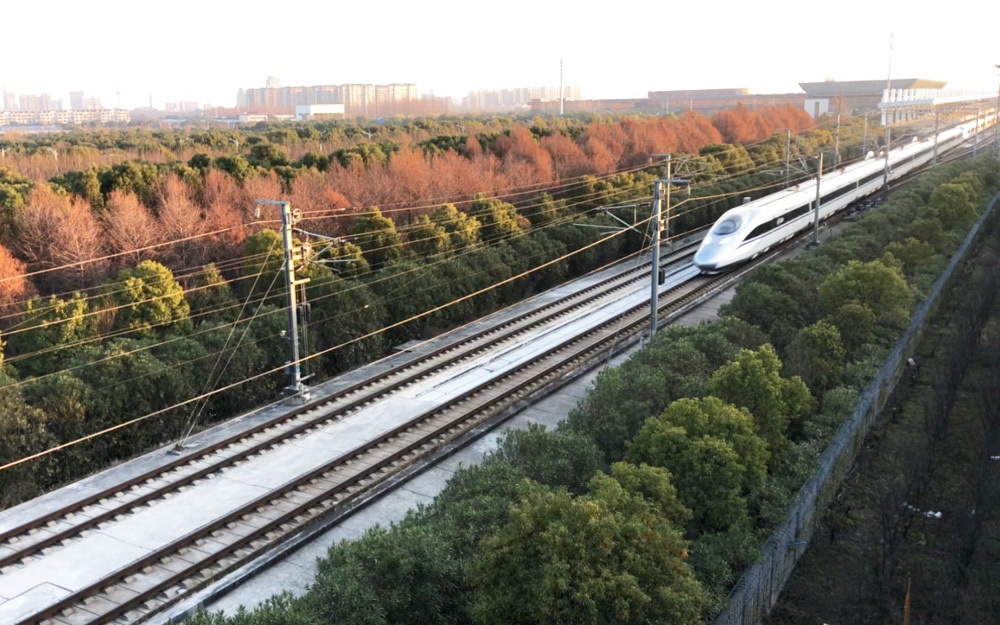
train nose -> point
(706, 259)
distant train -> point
(752, 229)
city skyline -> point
(447, 49)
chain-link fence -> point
(757, 591)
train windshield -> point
(728, 225)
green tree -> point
(22, 433)
(974, 183)
(475, 503)
(148, 297)
(652, 485)
(777, 301)
(544, 210)
(566, 459)
(706, 469)
(377, 237)
(855, 322)
(607, 557)
(913, 253)
(267, 155)
(462, 229)
(882, 289)
(733, 158)
(753, 381)
(954, 205)
(210, 293)
(404, 576)
(84, 184)
(65, 402)
(928, 228)
(236, 166)
(200, 162)
(342, 312)
(136, 177)
(498, 217)
(817, 356)
(350, 260)
(427, 238)
(263, 253)
(49, 327)
(710, 416)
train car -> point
(745, 232)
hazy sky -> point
(184, 50)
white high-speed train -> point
(749, 230)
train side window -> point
(764, 228)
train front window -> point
(728, 225)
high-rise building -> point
(9, 101)
(92, 104)
(76, 100)
(501, 99)
(358, 99)
(272, 83)
(29, 102)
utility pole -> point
(788, 151)
(975, 136)
(864, 139)
(819, 177)
(937, 126)
(836, 143)
(655, 268)
(660, 224)
(296, 391)
(885, 175)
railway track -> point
(22, 545)
(164, 576)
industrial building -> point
(306, 112)
(845, 97)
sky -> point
(205, 50)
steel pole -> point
(864, 139)
(294, 369)
(655, 281)
(788, 151)
(937, 126)
(975, 136)
(819, 177)
(836, 144)
(885, 174)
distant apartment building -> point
(92, 104)
(9, 101)
(181, 107)
(23, 118)
(29, 103)
(512, 99)
(359, 100)
(76, 100)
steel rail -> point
(53, 528)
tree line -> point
(124, 209)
